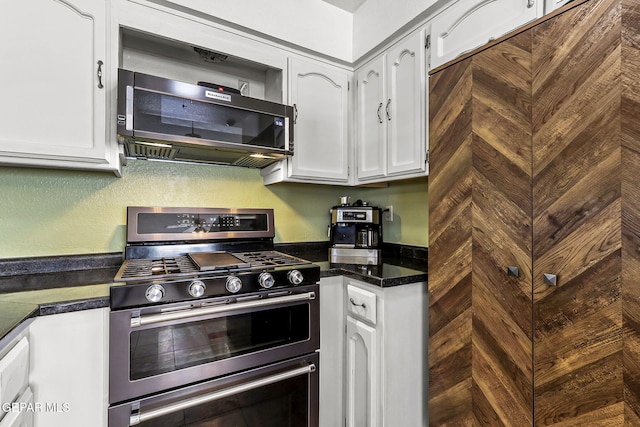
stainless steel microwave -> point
(164, 119)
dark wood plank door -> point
(502, 333)
(450, 225)
(480, 330)
(577, 217)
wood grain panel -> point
(630, 128)
(554, 109)
(450, 233)
(502, 209)
(577, 216)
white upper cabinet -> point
(54, 94)
(468, 24)
(406, 106)
(391, 114)
(371, 120)
(319, 94)
(551, 5)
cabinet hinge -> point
(427, 42)
(348, 86)
(426, 160)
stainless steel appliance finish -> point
(230, 306)
(355, 234)
(289, 389)
(170, 120)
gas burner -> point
(146, 268)
(162, 266)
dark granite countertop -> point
(401, 264)
(389, 273)
(52, 285)
(16, 307)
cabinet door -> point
(319, 95)
(502, 338)
(583, 338)
(371, 122)
(362, 375)
(480, 207)
(69, 358)
(468, 24)
(53, 110)
(405, 106)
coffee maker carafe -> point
(355, 234)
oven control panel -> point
(156, 224)
(206, 286)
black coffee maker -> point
(355, 233)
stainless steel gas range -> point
(210, 325)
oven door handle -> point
(138, 417)
(177, 315)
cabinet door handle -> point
(387, 109)
(513, 271)
(356, 304)
(295, 114)
(550, 279)
(530, 4)
(379, 108)
(100, 64)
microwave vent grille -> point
(150, 151)
(253, 162)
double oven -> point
(210, 326)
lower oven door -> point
(156, 348)
(280, 394)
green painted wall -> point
(59, 212)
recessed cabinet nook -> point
(534, 225)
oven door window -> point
(164, 349)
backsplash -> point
(59, 212)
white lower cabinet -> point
(362, 374)
(14, 383)
(69, 362)
(21, 412)
(386, 352)
(374, 340)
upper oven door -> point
(161, 347)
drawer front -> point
(20, 414)
(361, 303)
(14, 371)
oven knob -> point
(197, 288)
(295, 277)
(154, 293)
(266, 280)
(234, 284)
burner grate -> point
(144, 268)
